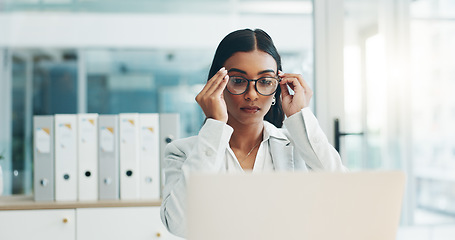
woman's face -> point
(249, 107)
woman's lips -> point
(251, 109)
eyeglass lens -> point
(265, 85)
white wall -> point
(328, 55)
(81, 30)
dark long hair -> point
(247, 40)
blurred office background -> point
(384, 68)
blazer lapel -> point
(282, 153)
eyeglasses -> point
(266, 86)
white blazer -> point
(301, 145)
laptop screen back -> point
(316, 206)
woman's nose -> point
(251, 93)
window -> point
(399, 79)
(432, 34)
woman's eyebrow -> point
(266, 71)
(243, 72)
(236, 70)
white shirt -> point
(263, 160)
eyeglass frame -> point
(255, 85)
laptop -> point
(295, 205)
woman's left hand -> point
(302, 93)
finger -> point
(222, 85)
(216, 81)
(293, 83)
(284, 90)
(206, 90)
(306, 88)
(284, 86)
(285, 78)
(302, 92)
(299, 77)
(213, 80)
(217, 88)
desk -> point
(23, 218)
(21, 202)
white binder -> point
(129, 155)
(108, 158)
(149, 156)
(87, 142)
(43, 158)
(169, 131)
(65, 157)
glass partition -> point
(159, 64)
(163, 81)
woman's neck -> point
(245, 137)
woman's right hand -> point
(211, 97)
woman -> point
(245, 100)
